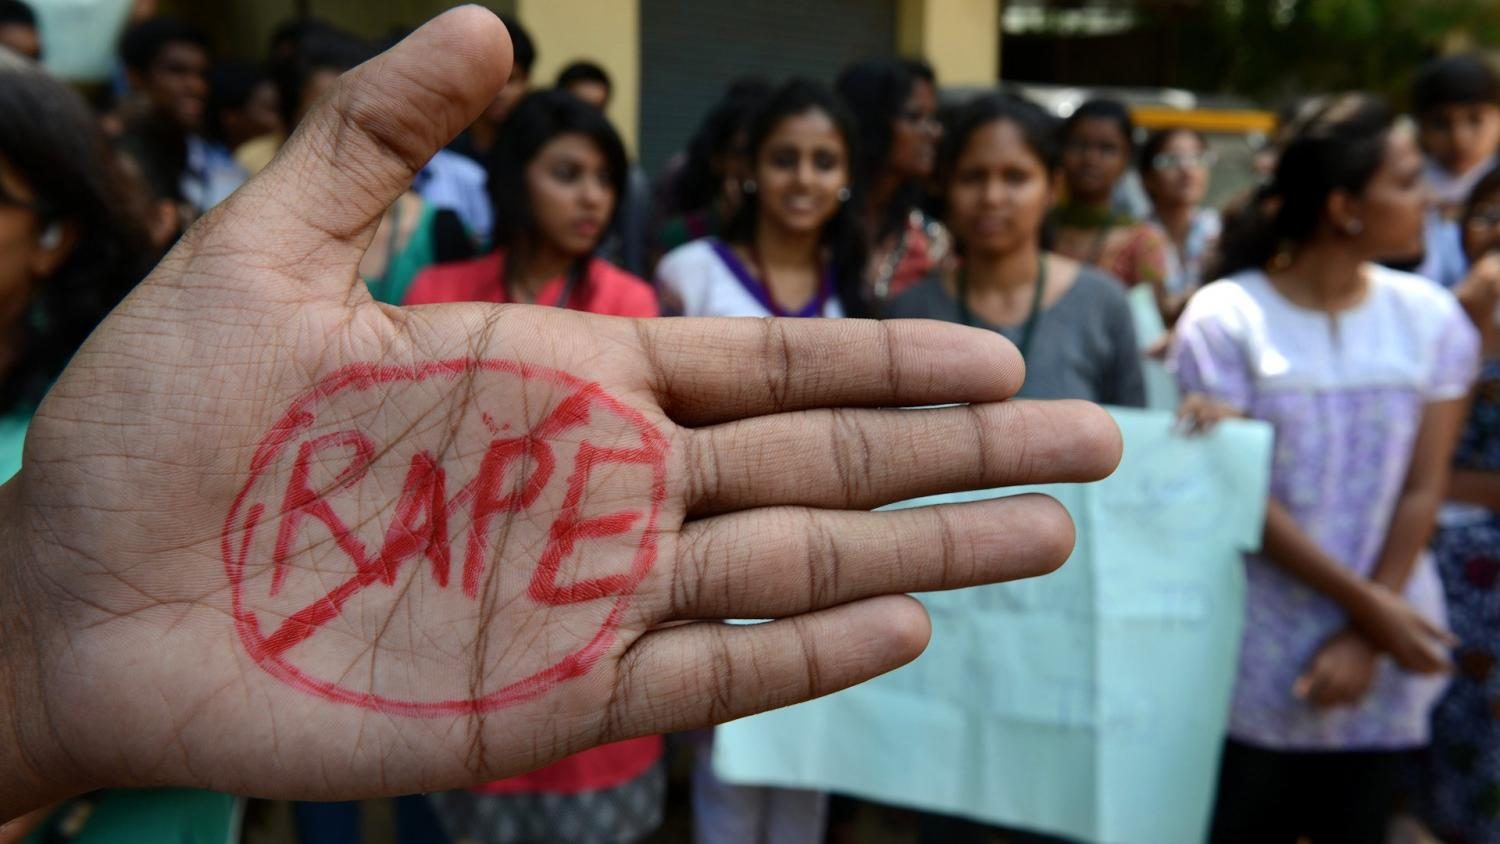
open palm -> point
(278, 539)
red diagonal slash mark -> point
(422, 497)
(419, 529)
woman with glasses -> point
(895, 103)
(1174, 166)
(1464, 777)
(1098, 143)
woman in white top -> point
(1364, 373)
(795, 247)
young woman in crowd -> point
(796, 246)
(1363, 372)
(1174, 166)
(895, 103)
(1071, 322)
(1464, 777)
(1098, 145)
(558, 173)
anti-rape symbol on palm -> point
(403, 525)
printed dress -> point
(1345, 396)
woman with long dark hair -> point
(895, 103)
(1098, 146)
(556, 179)
(795, 247)
(1364, 372)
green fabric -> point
(179, 816)
(12, 437)
(401, 268)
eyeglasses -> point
(1182, 161)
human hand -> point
(1198, 413)
(1340, 673)
(1394, 626)
(274, 538)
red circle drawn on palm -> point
(269, 652)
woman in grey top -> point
(1072, 323)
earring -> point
(1354, 228)
(844, 194)
(749, 186)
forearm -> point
(1288, 546)
(1472, 486)
(1411, 528)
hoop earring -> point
(749, 186)
(1354, 227)
(844, 194)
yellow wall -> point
(608, 33)
(960, 38)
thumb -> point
(318, 203)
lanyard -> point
(1028, 331)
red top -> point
(606, 289)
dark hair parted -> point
(1454, 80)
(1337, 146)
(49, 137)
(539, 118)
(843, 235)
(1039, 130)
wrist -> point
(33, 770)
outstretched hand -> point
(274, 538)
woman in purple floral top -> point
(1363, 373)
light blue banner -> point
(1091, 703)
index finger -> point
(708, 371)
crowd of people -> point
(1352, 301)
